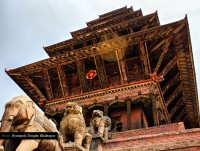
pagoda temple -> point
(139, 73)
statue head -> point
(72, 107)
(97, 113)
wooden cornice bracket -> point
(174, 94)
(47, 84)
(176, 106)
(32, 85)
(156, 78)
(62, 80)
(167, 68)
(145, 57)
(178, 118)
(13, 74)
(149, 23)
(167, 44)
(170, 83)
(179, 27)
(157, 46)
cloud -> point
(27, 26)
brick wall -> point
(166, 137)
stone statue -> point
(21, 116)
(100, 124)
(73, 128)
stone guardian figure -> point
(100, 124)
(73, 128)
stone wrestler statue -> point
(100, 124)
(72, 126)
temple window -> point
(112, 69)
(133, 63)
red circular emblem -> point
(91, 74)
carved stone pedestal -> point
(72, 147)
(97, 142)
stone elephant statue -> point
(100, 124)
(73, 128)
(21, 116)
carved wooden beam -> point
(179, 28)
(178, 118)
(134, 38)
(33, 86)
(145, 57)
(106, 108)
(168, 67)
(157, 46)
(174, 94)
(99, 63)
(155, 110)
(47, 84)
(63, 81)
(82, 75)
(122, 65)
(184, 118)
(176, 106)
(170, 83)
(168, 42)
(149, 23)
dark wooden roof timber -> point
(133, 38)
(109, 16)
(142, 23)
(114, 12)
(114, 20)
(135, 22)
(176, 61)
(188, 77)
(29, 87)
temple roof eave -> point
(51, 48)
(69, 57)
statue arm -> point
(27, 145)
(101, 127)
(92, 129)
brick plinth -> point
(166, 137)
(177, 127)
(72, 147)
(97, 143)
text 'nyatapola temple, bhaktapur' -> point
(131, 80)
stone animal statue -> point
(21, 116)
(100, 124)
(73, 128)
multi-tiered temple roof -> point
(134, 56)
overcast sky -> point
(28, 25)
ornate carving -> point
(101, 71)
(63, 81)
(122, 65)
(82, 73)
(47, 84)
(100, 124)
(144, 57)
